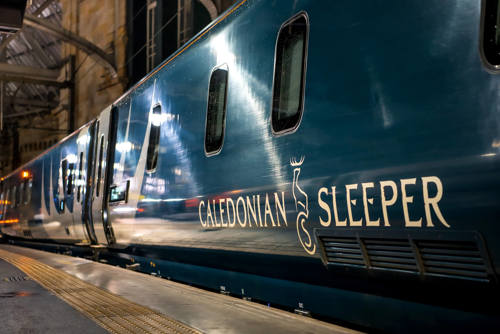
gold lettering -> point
(348, 189)
(258, 209)
(365, 204)
(233, 222)
(204, 224)
(408, 199)
(244, 222)
(252, 211)
(325, 207)
(268, 212)
(335, 212)
(385, 202)
(221, 211)
(209, 213)
(428, 202)
(215, 214)
(280, 207)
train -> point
(336, 158)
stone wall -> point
(103, 24)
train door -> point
(105, 133)
(82, 180)
(104, 142)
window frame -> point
(304, 74)
(225, 67)
(491, 68)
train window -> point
(21, 193)
(64, 172)
(216, 111)
(80, 177)
(99, 166)
(6, 201)
(14, 200)
(71, 173)
(491, 32)
(24, 195)
(154, 139)
(2, 203)
(29, 189)
(289, 74)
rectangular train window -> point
(21, 192)
(491, 33)
(71, 172)
(6, 201)
(64, 174)
(29, 189)
(154, 139)
(99, 166)
(2, 203)
(14, 199)
(216, 111)
(289, 74)
(80, 177)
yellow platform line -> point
(113, 313)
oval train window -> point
(289, 74)
(491, 33)
(216, 111)
(154, 139)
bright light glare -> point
(71, 158)
(124, 147)
(156, 119)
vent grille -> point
(457, 259)
(390, 254)
(344, 251)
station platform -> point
(44, 292)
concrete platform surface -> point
(202, 310)
(27, 307)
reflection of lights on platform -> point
(124, 209)
(192, 202)
(53, 224)
(9, 221)
(154, 200)
(488, 155)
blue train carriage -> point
(43, 199)
(331, 173)
(330, 159)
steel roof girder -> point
(67, 36)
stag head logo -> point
(302, 207)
